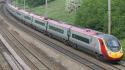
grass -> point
(123, 45)
(56, 10)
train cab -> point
(111, 48)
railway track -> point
(17, 51)
(38, 64)
(7, 61)
(28, 55)
(3, 63)
(119, 66)
(23, 52)
(79, 57)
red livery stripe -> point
(103, 48)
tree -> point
(72, 5)
(93, 14)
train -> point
(104, 46)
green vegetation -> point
(56, 10)
(33, 3)
(93, 14)
(123, 45)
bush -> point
(93, 14)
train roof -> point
(23, 11)
(38, 17)
(31, 14)
(77, 29)
(13, 6)
(59, 23)
(85, 31)
(64, 25)
(107, 36)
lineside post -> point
(109, 16)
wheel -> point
(74, 46)
(99, 56)
(50, 35)
(96, 55)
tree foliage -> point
(93, 14)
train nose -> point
(116, 55)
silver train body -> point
(83, 39)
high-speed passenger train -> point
(105, 46)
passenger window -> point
(27, 17)
(56, 29)
(18, 13)
(80, 38)
(40, 23)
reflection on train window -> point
(80, 38)
(56, 29)
(18, 13)
(27, 17)
(40, 23)
(113, 45)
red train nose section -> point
(103, 48)
(113, 56)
